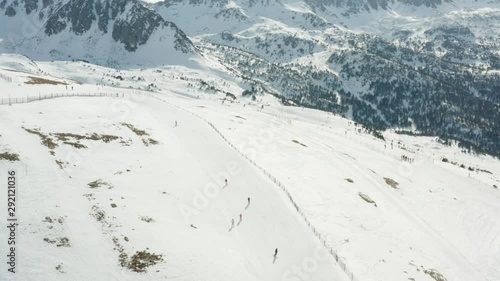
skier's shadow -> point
(274, 259)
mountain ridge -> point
(105, 23)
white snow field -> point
(109, 184)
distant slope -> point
(430, 67)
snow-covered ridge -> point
(101, 31)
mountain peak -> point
(129, 23)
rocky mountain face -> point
(126, 23)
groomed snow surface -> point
(104, 182)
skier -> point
(225, 181)
(248, 204)
(275, 255)
(241, 218)
(175, 123)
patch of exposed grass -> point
(392, 183)
(126, 142)
(141, 260)
(12, 157)
(435, 274)
(147, 219)
(367, 198)
(50, 241)
(46, 140)
(90, 196)
(99, 183)
(149, 141)
(68, 136)
(60, 268)
(94, 137)
(98, 214)
(104, 138)
(75, 145)
(63, 242)
(48, 219)
(135, 130)
(42, 81)
(61, 164)
(298, 142)
(349, 180)
(123, 258)
(152, 141)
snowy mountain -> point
(101, 31)
(360, 139)
(432, 66)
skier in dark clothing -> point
(241, 219)
(232, 224)
(276, 252)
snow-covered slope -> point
(107, 184)
(167, 199)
